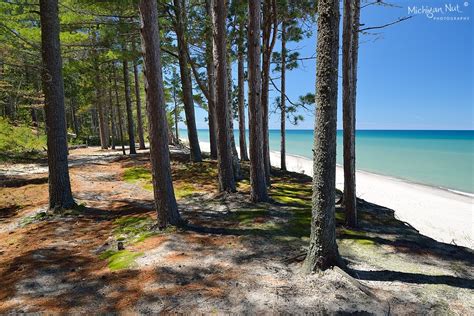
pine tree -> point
(258, 192)
(323, 252)
(349, 85)
(60, 195)
(224, 151)
(165, 200)
(180, 29)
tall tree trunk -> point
(172, 140)
(34, 117)
(241, 99)
(60, 195)
(224, 151)
(165, 200)
(141, 138)
(113, 131)
(119, 111)
(211, 85)
(235, 154)
(349, 84)
(75, 123)
(176, 116)
(323, 252)
(102, 117)
(104, 143)
(10, 108)
(258, 187)
(180, 28)
(283, 98)
(128, 103)
(93, 128)
(268, 40)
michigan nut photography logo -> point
(449, 11)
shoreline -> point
(436, 212)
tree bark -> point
(180, 28)
(349, 68)
(34, 117)
(235, 154)
(119, 111)
(268, 40)
(165, 200)
(224, 151)
(241, 100)
(176, 116)
(211, 85)
(104, 143)
(323, 252)
(60, 195)
(75, 122)
(283, 98)
(113, 131)
(141, 138)
(258, 186)
(172, 140)
(128, 103)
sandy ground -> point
(440, 214)
(235, 257)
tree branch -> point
(286, 97)
(385, 25)
(20, 37)
(200, 83)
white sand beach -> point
(440, 214)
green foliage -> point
(19, 139)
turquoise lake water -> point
(438, 158)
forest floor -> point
(234, 256)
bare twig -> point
(385, 25)
(381, 3)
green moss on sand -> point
(182, 190)
(356, 236)
(142, 176)
(41, 216)
(248, 216)
(118, 260)
(133, 229)
(136, 174)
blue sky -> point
(417, 74)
